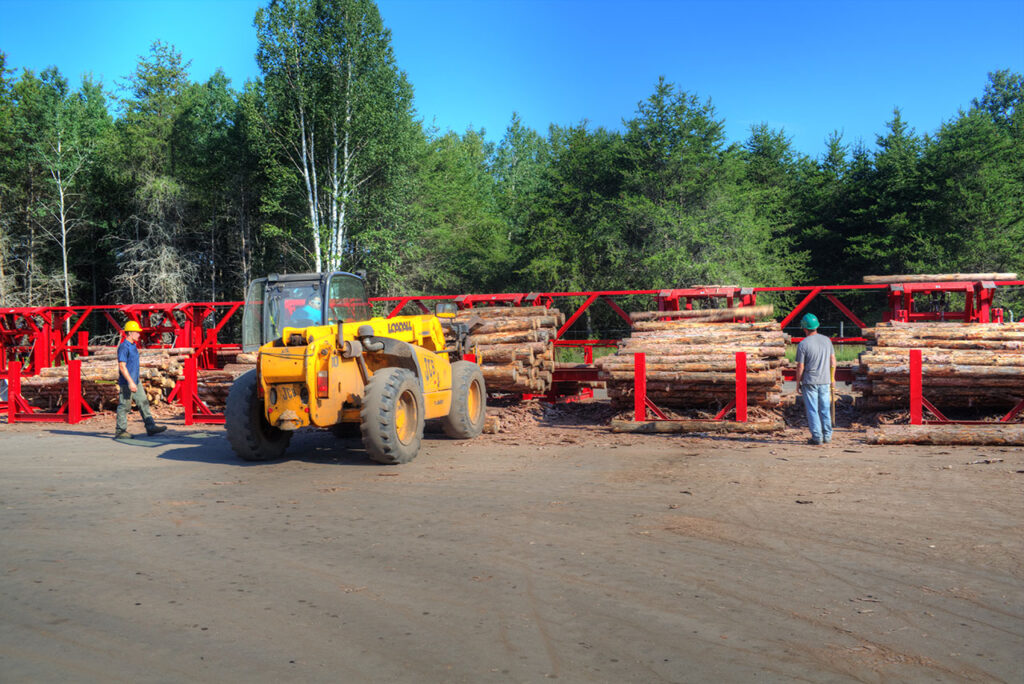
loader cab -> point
(301, 300)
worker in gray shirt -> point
(815, 360)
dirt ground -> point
(554, 550)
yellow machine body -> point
(317, 375)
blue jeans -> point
(817, 402)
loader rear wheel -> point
(465, 419)
(392, 416)
(249, 433)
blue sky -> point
(805, 67)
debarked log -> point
(1009, 434)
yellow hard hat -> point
(132, 326)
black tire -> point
(249, 433)
(392, 416)
(465, 419)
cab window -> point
(346, 301)
(252, 316)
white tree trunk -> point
(308, 170)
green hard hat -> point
(809, 322)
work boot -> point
(155, 429)
(123, 435)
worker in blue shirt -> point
(815, 373)
(128, 385)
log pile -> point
(977, 365)
(213, 385)
(691, 363)
(514, 345)
(159, 372)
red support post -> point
(41, 349)
(915, 387)
(13, 391)
(74, 392)
(188, 391)
(640, 391)
(741, 387)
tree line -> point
(179, 190)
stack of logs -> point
(213, 386)
(973, 365)
(159, 372)
(691, 359)
(514, 345)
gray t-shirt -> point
(815, 352)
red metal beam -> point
(799, 307)
(846, 311)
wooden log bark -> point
(524, 336)
(663, 363)
(1007, 434)
(684, 426)
(502, 325)
(504, 311)
(505, 354)
(940, 370)
(682, 378)
(936, 278)
(890, 356)
(701, 350)
(500, 374)
(704, 315)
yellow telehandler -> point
(324, 361)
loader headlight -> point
(446, 309)
(273, 396)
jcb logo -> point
(429, 371)
(400, 326)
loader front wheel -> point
(392, 416)
(249, 433)
(465, 419)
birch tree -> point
(335, 114)
(67, 141)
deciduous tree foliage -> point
(185, 190)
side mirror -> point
(446, 309)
